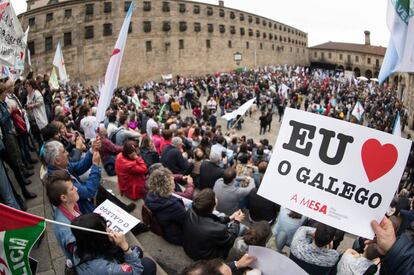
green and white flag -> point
(53, 80)
(19, 231)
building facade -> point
(177, 37)
(362, 59)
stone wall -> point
(86, 59)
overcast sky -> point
(323, 20)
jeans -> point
(23, 141)
(6, 191)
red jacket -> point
(131, 176)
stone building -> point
(174, 36)
(362, 59)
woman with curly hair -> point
(168, 209)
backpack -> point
(112, 137)
(150, 219)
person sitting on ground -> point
(131, 170)
(313, 246)
(169, 210)
(286, 226)
(108, 152)
(257, 235)
(106, 253)
(230, 192)
(354, 263)
(218, 267)
(173, 158)
(122, 133)
(210, 171)
(56, 158)
(63, 195)
(148, 153)
(207, 236)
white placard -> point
(266, 259)
(342, 174)
(117, 219)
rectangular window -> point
(329, 55)
(349, 58)
(147, 5)
(322, 55)
(147, 26)
(126, 5)
(107, 29)
(247, 45)
(182, 8)
(68, 13)
(208, 44)
(67, 39)
(49, 17)
(369, 60)
(196, 9)
(273, 47)
(210, 27)
(315, 55)
(197, 27)
(148, 46)
(340, 56)
(261, 46)
(31, 47)
(209, 11)
(181, 44)
(32, 21)
(377, 62)
(229, 44)
(48, 44)
(88, 32)
(356, 58)
(107, 7)
(165, 6)
(89, 9)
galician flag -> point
(114, 67)
(18, 233)
(358, 111)
(53, 80)
(396, 131)
(59, 62)
(400, 52)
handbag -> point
(19, 122)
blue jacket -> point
(400, 258)
(63, 233)
(172, 158)
(87, 190)
(131, 266)
(170, 213)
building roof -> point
(351, 47)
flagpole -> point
(77, 227)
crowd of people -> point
(198, 181)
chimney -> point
(221, 3)
(367, 38)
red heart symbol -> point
(378, 159)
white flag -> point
(240, 111)
(397, 126)
(114, 67)
(22, 51)
(59, 62)
(358, 111)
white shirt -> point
(88, 125)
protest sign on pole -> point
(11, 38)
(117, 219)
(341, 174)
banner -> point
(341, 174)
(240, 111)
(22, 52)
(53, 80)
(19, 231)
(117, 219)
(11, 38)
(59, 62)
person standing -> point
(36, 109)
(263, 123)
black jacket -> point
(261, 209)
(172, 158)
(400, 258)
(209, 173)
(170, 213)
(208, 237)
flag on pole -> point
(400, 54)
(19, 231)
(53, 80)
(59, 62)
(396, 131)
(240, 111)
(22, 52)
(358, 111)
(114, 67)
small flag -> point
(396, 131)
(53, 80)
(358, 111)
(59, 62)
(19, 231)
(114, 67)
